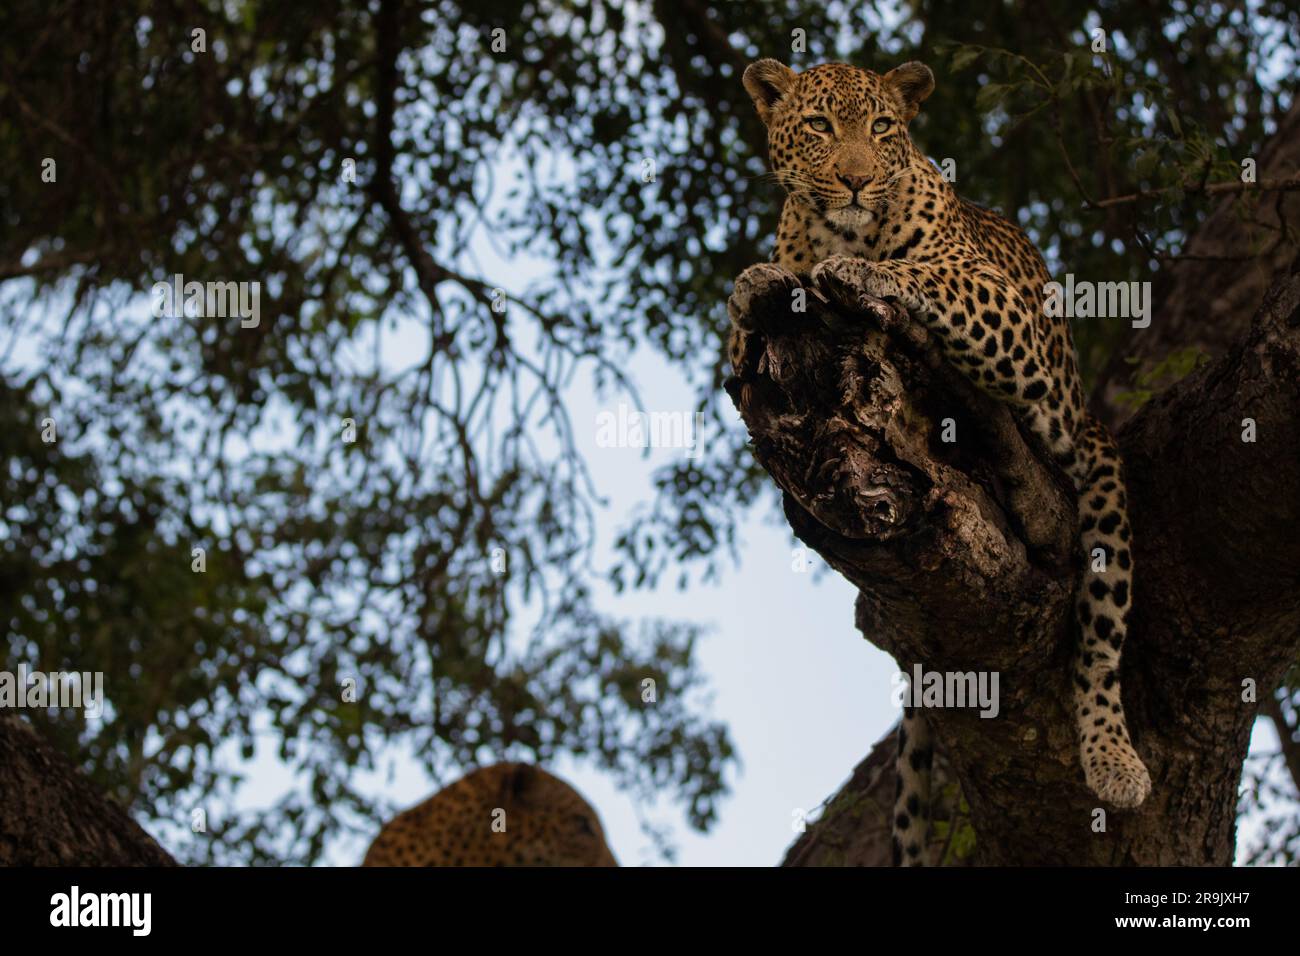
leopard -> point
(864, 209)
(505, 814)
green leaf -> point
(992, 95)
(964, 57)
(1172, 115)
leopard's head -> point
(837, 135)
(508, 814)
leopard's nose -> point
(855, 183)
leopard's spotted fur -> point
(509, 814)
(865, 205)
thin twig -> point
(1286, 734)
(1264, 185)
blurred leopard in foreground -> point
(509, 814)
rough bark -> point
(963, 555)
(1205, 300)
(54, 816)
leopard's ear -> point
(912, 82)
(767, 81)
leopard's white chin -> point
(849, 217)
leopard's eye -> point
(820, 123)
(882, 125)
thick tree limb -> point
(963, 554)
(54, 816)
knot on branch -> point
(857, 418)
(819, 392)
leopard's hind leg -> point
(1111, 766)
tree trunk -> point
(964, 555)
(52, 815)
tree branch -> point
(964, 557)
(1210, 309)
(54, 816)
(1286, 735)
(383, 187)
(1213, 189)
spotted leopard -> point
(866, 207)
(508, 814)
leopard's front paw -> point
(858, 285)
(848, 279)
(761, 291)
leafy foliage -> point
(1172, 368)
(1268, 787)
